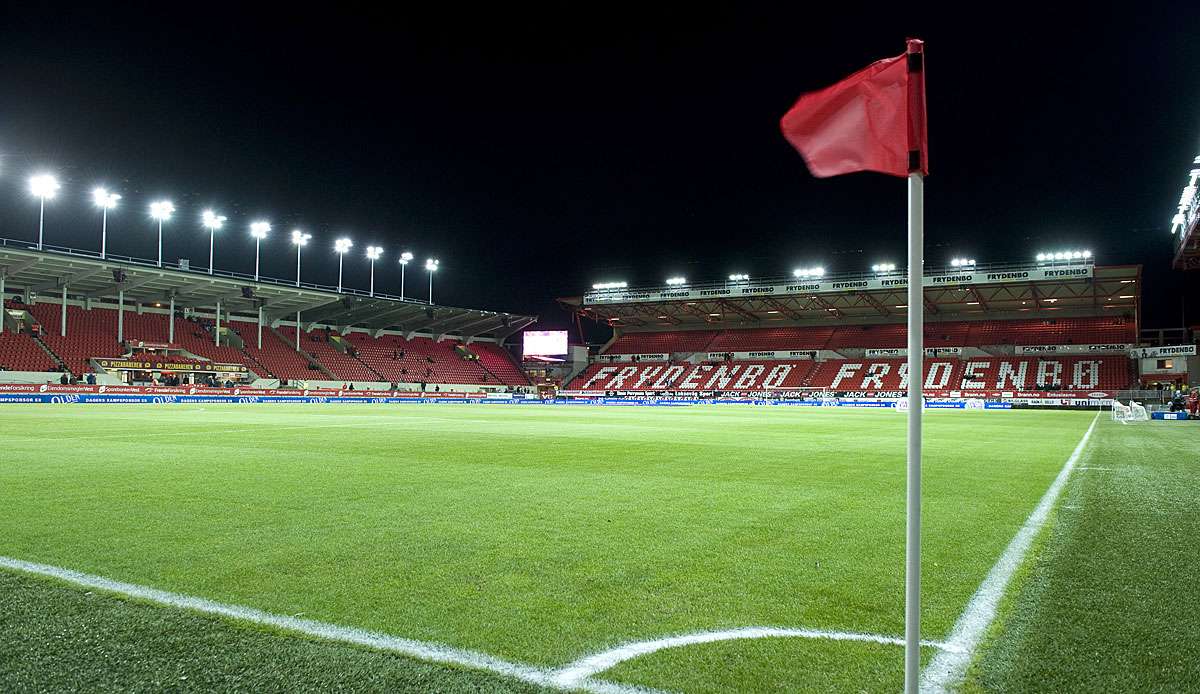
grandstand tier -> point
(323, 354)
(971, 373)
(978, 333)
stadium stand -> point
(422, 359)
(1099, 330)
(91, 334)
(279, 357)
(20, 352)
(662, 343)
(994, 373)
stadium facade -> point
(126, 323)
(1060, 331)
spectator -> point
(64, 379)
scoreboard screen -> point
(545, 343)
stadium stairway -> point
(282, 360)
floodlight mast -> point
(43, 187)
(373, 254)
(161, 211)
(342, 245)
(300, 239)
(105, 201)
(431, 265)
(259, 231)
(213, 221)
(405, 257)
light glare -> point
(105, 199)
(212, 220)
(43, 186)
(162, 210)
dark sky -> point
(535, 154)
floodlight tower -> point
(105, 201)
(259, 231)
(373, 254)
(43, 187)
(161, 210)
(431, 265)
(300, 239)
(213, 221)
(405, 257)
(342, 246)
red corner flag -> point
(874, 120)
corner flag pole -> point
(916, 383)
(916, 353)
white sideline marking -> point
(423, 650)
(948, 666)
(573, 674)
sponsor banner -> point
(630, 357)
(903, 351)
(1172, 351)
(29, 388)
(167, 365)
(84, 398)
(760, 355)
(873, 283)
(1071, 349)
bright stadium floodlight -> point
(962, 262)
(259, 231)
(676, 281)
(301, 240)
(601, 286)
(342, 246)
(105, 201)
(809, 272)
(373, 254)
(883, 267)
(213, 221)
(1066, 256)
(405, 258)
(161, 211)
(739, 277)
(43, 187)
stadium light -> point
(43, 187)
(300, 239)
(883, 267)
(1066, 256)
(105, 201)
(809, 272)
(739, 277)
(373, 254)
(405, 257)
(342, 246)
(259, 231)
(213, 221)
(161, 211)
(676, 281)
(431, 265)
(609, 285)
(962, 262)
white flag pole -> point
(916, 383)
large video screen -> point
(545, 343)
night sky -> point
(536, 154)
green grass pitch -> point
(534, 534)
